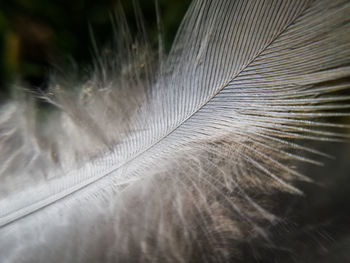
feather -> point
(169, 161)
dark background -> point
(37, 34)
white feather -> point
(139, 158)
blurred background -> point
(36, 34)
